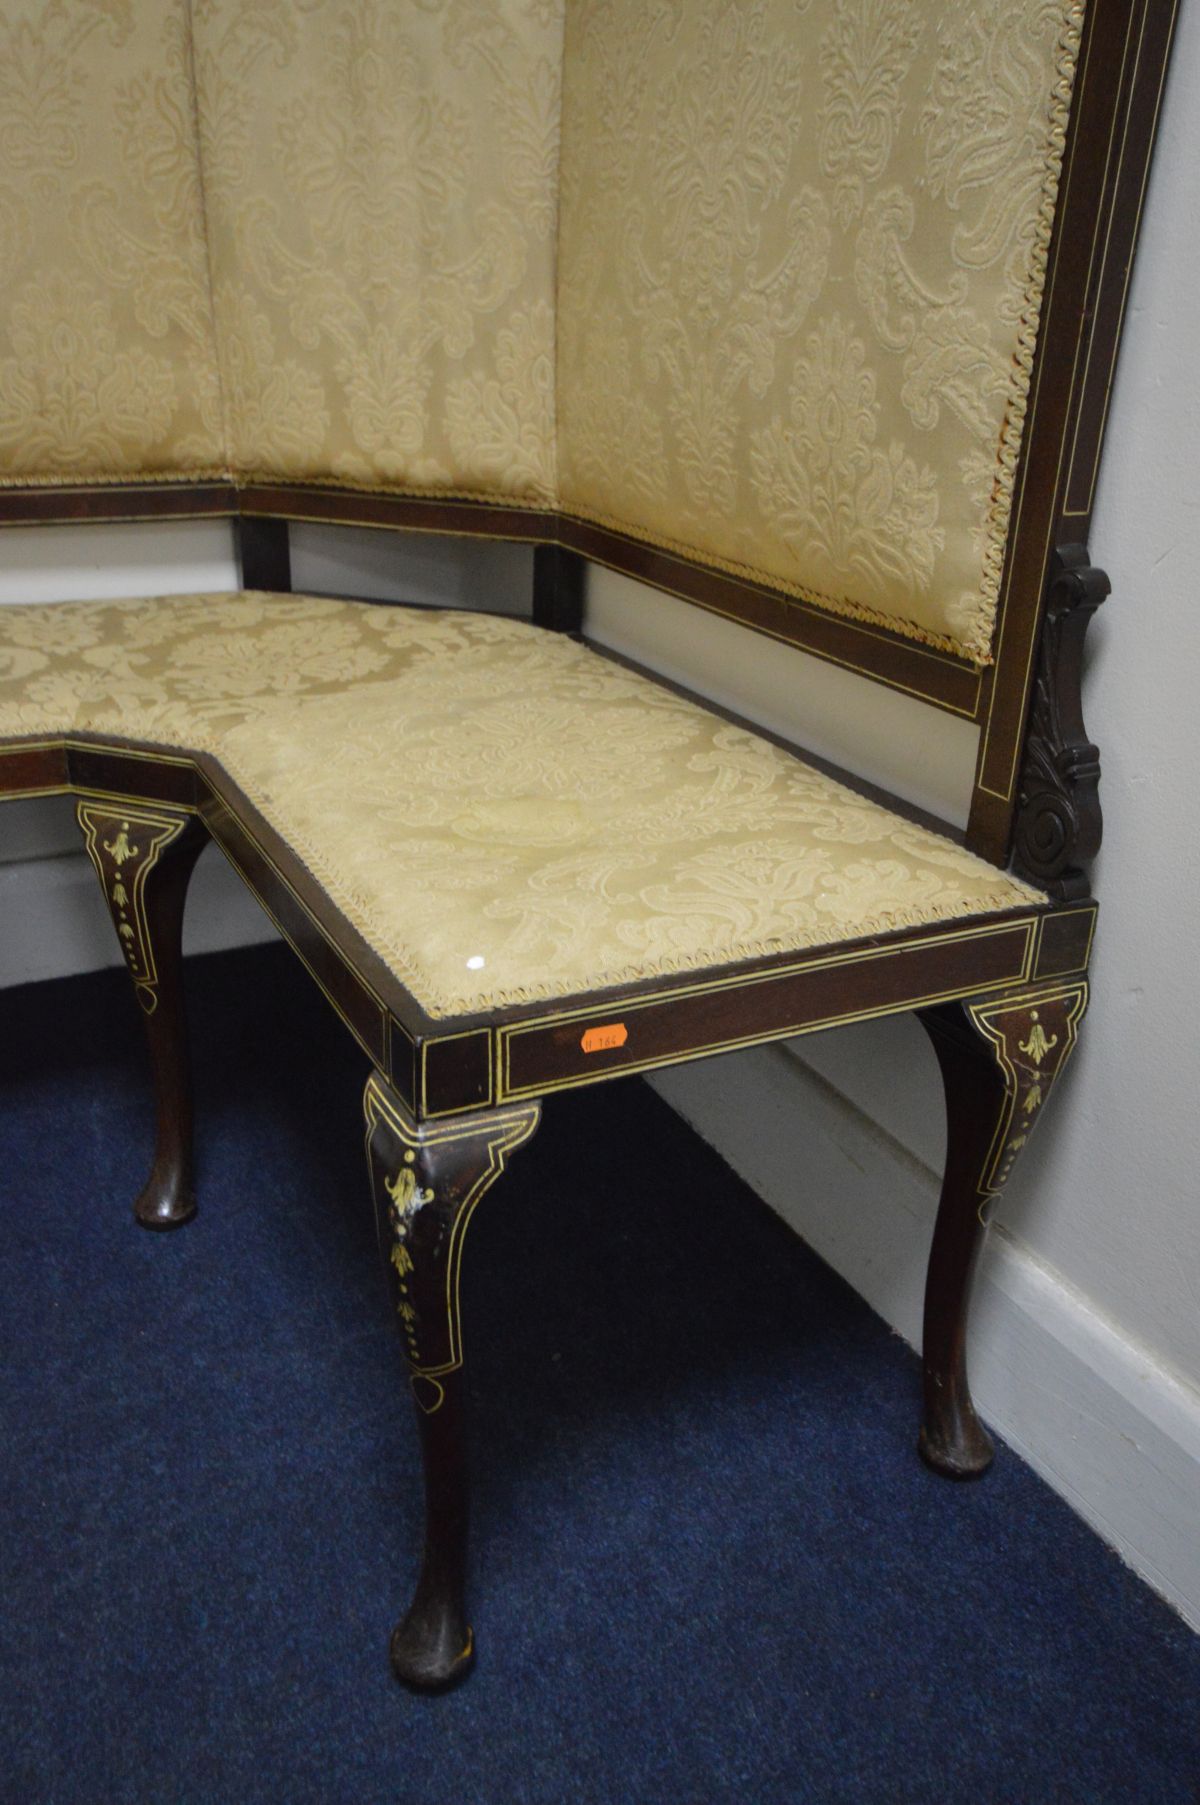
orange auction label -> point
(599, 1040)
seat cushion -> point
(504, 815)
(184, 670)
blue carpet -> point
(708, 1565)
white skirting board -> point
(1117, 1435)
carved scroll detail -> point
(1059, 823)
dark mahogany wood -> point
(263, 554)
(332, 505)
(142, 775)
(61, 503)
(558, 589)
(36, 768)
(144, 859)
(1059, 823)
(893, 973)
(464, 1092)
(1122, 68)
(1129, 147)
(426, 1182)
(918, 670)
(1000, 1058)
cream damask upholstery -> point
(503, 814)
(801, 260)
(381, 185)
(293, 239)
(108, 362)
(772, 301)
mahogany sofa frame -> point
(1002, 996)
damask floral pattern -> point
(494, 852)
(774, 305)
(380, 185)
(821, 276)
(863, 518)
(303, 238)
(183, 670)
(107, 357)
(866, 52)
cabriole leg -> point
(999, 1062)
(144, 859)
(426, 1181)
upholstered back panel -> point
(773, 306)
(381, 182)
(107, 363)
(362, 194)
(801, 261)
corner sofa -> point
(804, 314)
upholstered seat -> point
(504, 815)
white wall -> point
(1086, 1338)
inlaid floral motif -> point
(1032, 1059)
(125, 845)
